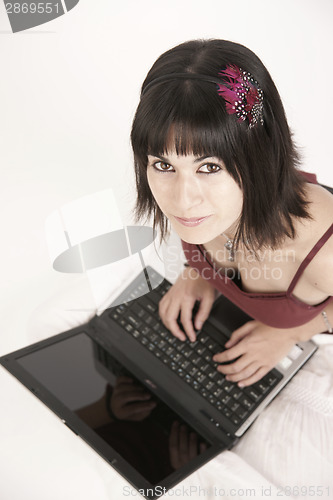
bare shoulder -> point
(319, 272)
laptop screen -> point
(108, 398)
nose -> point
(188, 194)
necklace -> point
(229, 246)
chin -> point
(195, 237)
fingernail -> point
(241, 384)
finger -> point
(183, 444)
(243, 373)
(193, 445)
(234, 368)
(203, 311)
(130, 410)
(255, 377)
(173, 443)
(186, 318)
(129, 397)
(203, 447)
(138, 417)
(229, 354)
(170, 321)
(142, 407)
(240, 333)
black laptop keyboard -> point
(191, 361)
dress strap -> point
(309, 257)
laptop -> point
(151, 405)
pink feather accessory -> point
(242, 94)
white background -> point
(68, 93)
(69, 89)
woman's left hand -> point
(258, 348)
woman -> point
(215, 158)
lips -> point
(192, 221)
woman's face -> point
(197, 195)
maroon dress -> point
(279, 310)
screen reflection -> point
(111, 401)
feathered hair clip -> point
(242, 94)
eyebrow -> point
(197, 160)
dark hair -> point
(189, 116)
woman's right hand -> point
(180, 298)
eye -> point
(161, 166)
(209, 168)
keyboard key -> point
(260, 386)
(252, 393)
(241, 412)
(220, 381)
(208, 384)
(201, 377)
(270, 379)
(218, 392)
(153, 337)
(233, 405)
(138, 310)
(211, 399)
(225, 400)
(178, 357)
(295, 352)
(114, 315)
(148, 305)
(285, 363)
(203, 338)
(235, 420)
(228, 386)
(227, 412)
(214, 375)
(236, 392)
(195, 384)
(204, 392)
(203, 366)
(246, 402)
(201, 349)
(145, 330)
(149, 320)
(192, 370)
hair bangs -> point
(183, 124)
